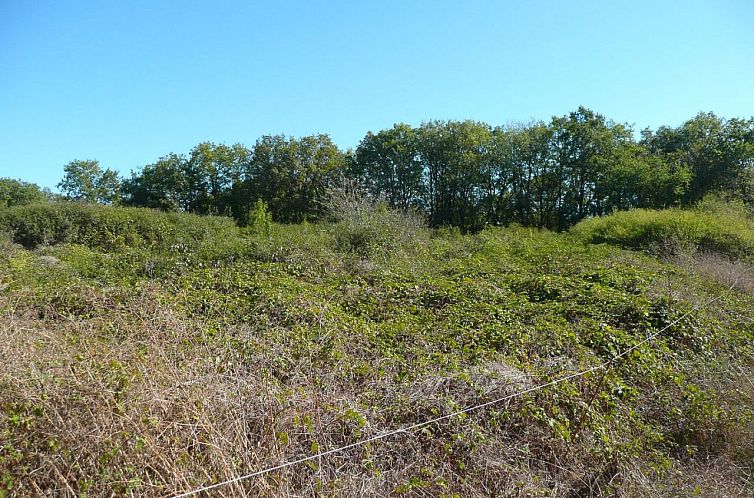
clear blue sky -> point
(128, 82)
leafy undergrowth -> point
(151, 371)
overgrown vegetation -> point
(148, 353)
(370, 229)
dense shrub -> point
(714, 228)
(107, 227)
(366, 227)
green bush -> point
(108, 228)
(714, 228)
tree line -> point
(459, 173)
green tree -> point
(293, 175)
(87, 181)
(17, 193)
(545, 177)
(637, 178)
(719, 153)
(388, 166)
(455, 159)
(585, 146)
(211, 172)
(162, 185)
(259, 219)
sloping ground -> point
(154, 371)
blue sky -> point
(128, 82)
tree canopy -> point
(460, 173)
(87, 181)
(17, 193)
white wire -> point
(450, 415)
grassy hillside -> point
(150, 354)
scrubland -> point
(149, 354)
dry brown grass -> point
(136, 401)
(132, 401)
(719, 478)
(736, 274)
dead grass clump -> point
(86, 412)
(738, 275)
(141, 401)
(719, 478)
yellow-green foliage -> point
(259, 219)
(715, 228)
